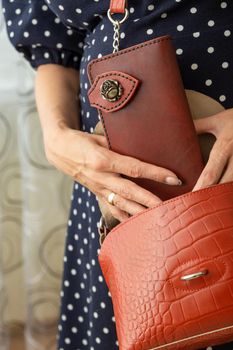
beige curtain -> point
(34, 207)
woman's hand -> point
(83, 156)
(86, 158)
(219, 167)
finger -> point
(127, 206)
(228, 174)
(127, 189)
(214, 168)
(130, 191)
(115, 211)
(135, 168)
(205, 125)
(94, 188)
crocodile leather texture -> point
(144, 259)
(155, 124)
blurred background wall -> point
(34, 205)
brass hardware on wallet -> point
(111, 90)
(194, 275)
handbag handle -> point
(117, 6)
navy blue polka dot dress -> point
(71, 33)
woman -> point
(59, 38)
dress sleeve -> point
(35, 30)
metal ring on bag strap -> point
(126, 13)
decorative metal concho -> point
(111, 90)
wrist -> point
(55, 132)
(56, 122)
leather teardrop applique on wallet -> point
(111, 91)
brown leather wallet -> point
(142, 104)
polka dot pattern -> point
(36, 31)
(72, 33)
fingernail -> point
(173, 181)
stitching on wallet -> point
(105, 130)
(126, 97)
(125, 51)
(151, 42)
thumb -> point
(205, 125)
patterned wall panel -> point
(34, 205)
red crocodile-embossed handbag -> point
(169, 270)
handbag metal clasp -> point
(194, 275)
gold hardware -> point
(194, 275)
(111, 90)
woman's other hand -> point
(219, 167)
